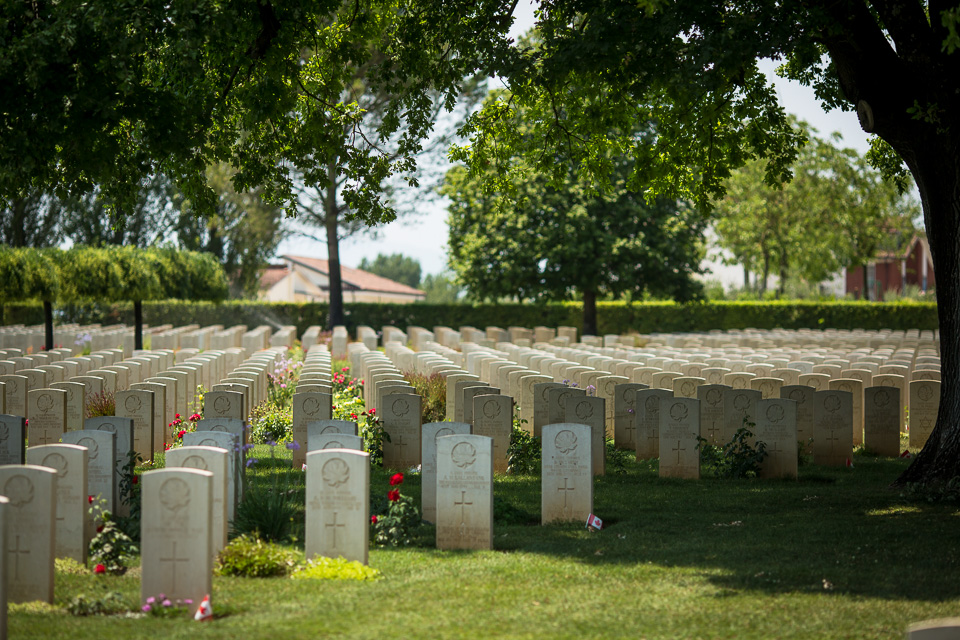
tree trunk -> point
(937, 176)
(589, 313)
(138, 325)
(866, 286)
(746, 279)
(762, 285)
(331, 218)
(781, 289)
(48, 323)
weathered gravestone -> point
(70, 463)
(159, 392)
(401, 421)
(176, 541)
(924, 407)
(648, 403)
(739, 410)
(590, 410)
(307, 407)
(711, 412)
(541, 404)
(428, 469)
(223, 404)
(768, 387)
(686, 386)
(31, 531)
(557, 402)
(833, 428)
(138, 406)
(320, 441)
(776, 427)
(47, 413)
(122, 428)
(13, 435)
(855, 388)
(567, 473)
(227, 441)
(625, 417)
(338, 504)
(216, 461)
(234, 427)
(15, 394)
(74, 405)
(318, 427)
(803, 396)
(881, 417)
(679, 429)
(493, 418)
(941, 629)
(464, 492)
(101, 468)
(4, 519)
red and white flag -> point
(205, 611)
(850, 463)
(906, 454)
(595, 522)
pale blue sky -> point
(424, 236)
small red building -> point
(894, 270)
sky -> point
(423, 235)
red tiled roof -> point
(356, 278)
(273, 274)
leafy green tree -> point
(396, 267)
(31, 274)
(170, 85)
(836, 212)
(561, 243)
(440, 288)
(30, 220)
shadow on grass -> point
(830, 531)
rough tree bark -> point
(589, 313)
(48, 324)
(335, 316)
(910, 97)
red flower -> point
(194, 417)
(100, 529)
(393, 495)
(396, 479)
(26, 423)
(372, 411)
(89, 499)
(353, 415)
(136, 479)
(180, 435)
(176, 415)
(373, 519)
(99, 569)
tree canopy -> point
(396, 267)
(110, 93)
(836, 212)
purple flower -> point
(188, 601)
(151, 600)
(247, 447)
(145, 608)
(251, 462)
(283, 386)
(272, 443)
(293, 445)
(166, 602)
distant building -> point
(894, 270)
(302, 279)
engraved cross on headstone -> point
(565, 489)
(678, 449)
(174, 559)
(334, 525)
(401, 444)
(462, 504)
(17, 552)
(713, 430)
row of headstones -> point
(925, 394)
(92, 467)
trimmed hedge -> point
(613, 317)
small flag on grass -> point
(594, 522)
(849, 463)
(205, 611)
(906, 454)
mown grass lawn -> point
(836, 554)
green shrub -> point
(250, 557)
(101, 404)
(269, 510)
(736, 459)
(98, 605)
(335, 569)
(111, 548)
(397, 527)
(433, 392)
(270, 423)
(523, 454)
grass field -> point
(836, 554)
